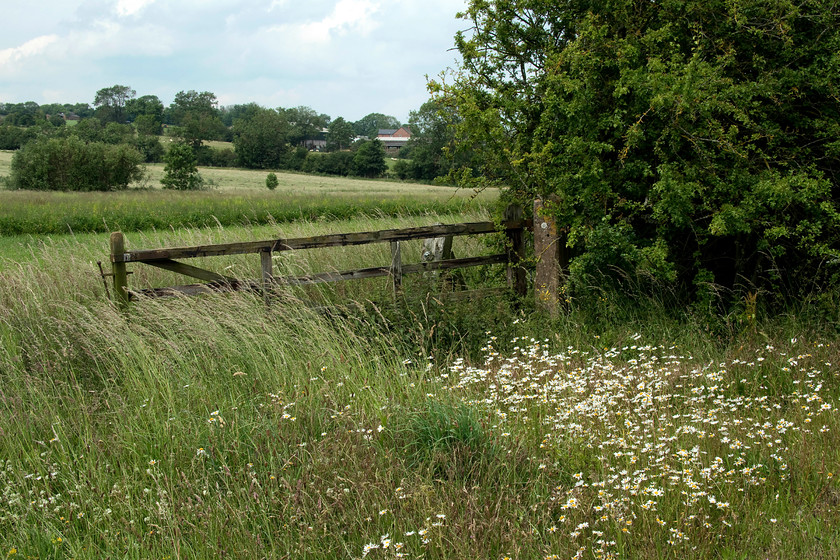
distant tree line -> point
(262, 138)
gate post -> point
(550, 252)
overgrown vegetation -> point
(423, 427)
(693, 142)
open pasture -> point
(238, 197)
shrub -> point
(13, 137)
(271, 181)
(181, 172)
(224, 157)
(68, 164)
(369, 160)
(149, 147)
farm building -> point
(394, 139)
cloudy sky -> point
(345, 58)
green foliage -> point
(208, 156)
(148, 125)
(147, 114)
(369, 160)
(432, 148)
(13, 137)
(111, 103)
(445, 438)
(271, 181)
(22, 114)
(150, 147)
(340, 135)
(197, 117)
(261, 141)
(181, 172)
(296, 158)
(333, 163)
(304, 123)
(88, 130)
(68, 164)
(369, 125)
(114, 133)
(678, 138)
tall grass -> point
(219, 426)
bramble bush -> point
(695, 143)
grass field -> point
(418, 427)
(238, 198)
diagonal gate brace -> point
(192, 271)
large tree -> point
(111, 101)
(340, 134)
(432, 146)
(261, 141)
(197, 115)
(304, 124)
(692, 140)
(147, 113)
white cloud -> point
(127, 8)
(33, 47)
(348, 16)
(107, 39)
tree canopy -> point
(369, 160)
(111, 102)
(369, 125)
(261, 139)
(689, 140)
(197, 115)
(340, 134)
(431, 148)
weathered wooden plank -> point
(374, 272)
(118, 270)
(380, 271)
(396, 266)
(516, 276)
(323, 277)
(266, 266)
(191, 271)
(454, 263)
(318, 241)
(196, 289)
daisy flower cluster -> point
(647, 436)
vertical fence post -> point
(118, 270)
(267, 272)
(550, 252)
(516, 252)
(396, 267)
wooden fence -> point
(170, 259)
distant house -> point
(319, 142)
(394, 139)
